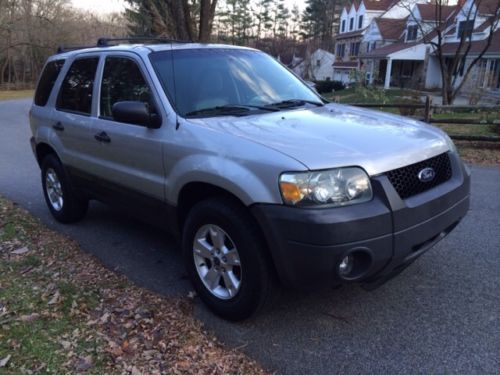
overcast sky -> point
(106, 6)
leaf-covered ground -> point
(62, 312)
(483, 153)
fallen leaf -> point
(55, 298)
(84, 363)
(29, 318)
(21, 251)
(135, 371)
(104, 319)
(65, 344)
(3, 362)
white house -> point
(355, 21)
(317, 66)
(411, 61)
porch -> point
(398, 65)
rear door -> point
(127, 157)
(72, 117)
(42, 113)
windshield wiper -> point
(289, 103)
(229, 109)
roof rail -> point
(62, 49)
(106, 42)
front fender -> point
(227, 174)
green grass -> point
(26, 287)
(15, 94)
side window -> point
(122, 80)
(47, 81)
(75, 94)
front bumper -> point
(307, 245)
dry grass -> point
(61, 311)
(15, 94)
(484, 153)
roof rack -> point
(109, 42)
(105, 42)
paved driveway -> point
(441, 315)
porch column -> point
(387, 82)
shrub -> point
(328, 86)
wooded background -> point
(31, 30)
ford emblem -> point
(426, 174)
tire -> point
(256, 279)
(69, 208)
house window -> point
(354, 49)
(342, 29)
(411, 33)
(459, 69)
(494, 75)
(318, 62)
(351, 24)
(340, 50)
(360, 22)
(465, 29)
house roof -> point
(487, 6)
(345, 64)
(379, 4)
(387, 50)
(476, 46)
(350, 34)
(391, 28)
(428, 12)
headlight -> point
(334, 187)
(451, 145)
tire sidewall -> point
(252, 285)
(67, 213)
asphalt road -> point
(442, 315)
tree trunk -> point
(207, 14)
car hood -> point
(337, 135)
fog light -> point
(346, 265)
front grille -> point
(406, 182)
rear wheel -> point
(226, 259)
(63, 202)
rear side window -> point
(122, 80)
(75, 94)
(47, 81)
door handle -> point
(102, 137)
(58, 126)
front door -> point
(128, 157)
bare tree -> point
(31, 30)
(207, 14)
(461, 58)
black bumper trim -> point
(308, 244)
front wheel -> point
(226, 259)
(63, 202)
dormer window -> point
(360, 22)
(465, 29)
(411, 33)
(351, 24)
(342, 29)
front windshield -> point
(202, 79)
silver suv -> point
(262, 179)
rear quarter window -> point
(47, 81)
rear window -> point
(75, 94)
(47, 81)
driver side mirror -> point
(137, 113)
